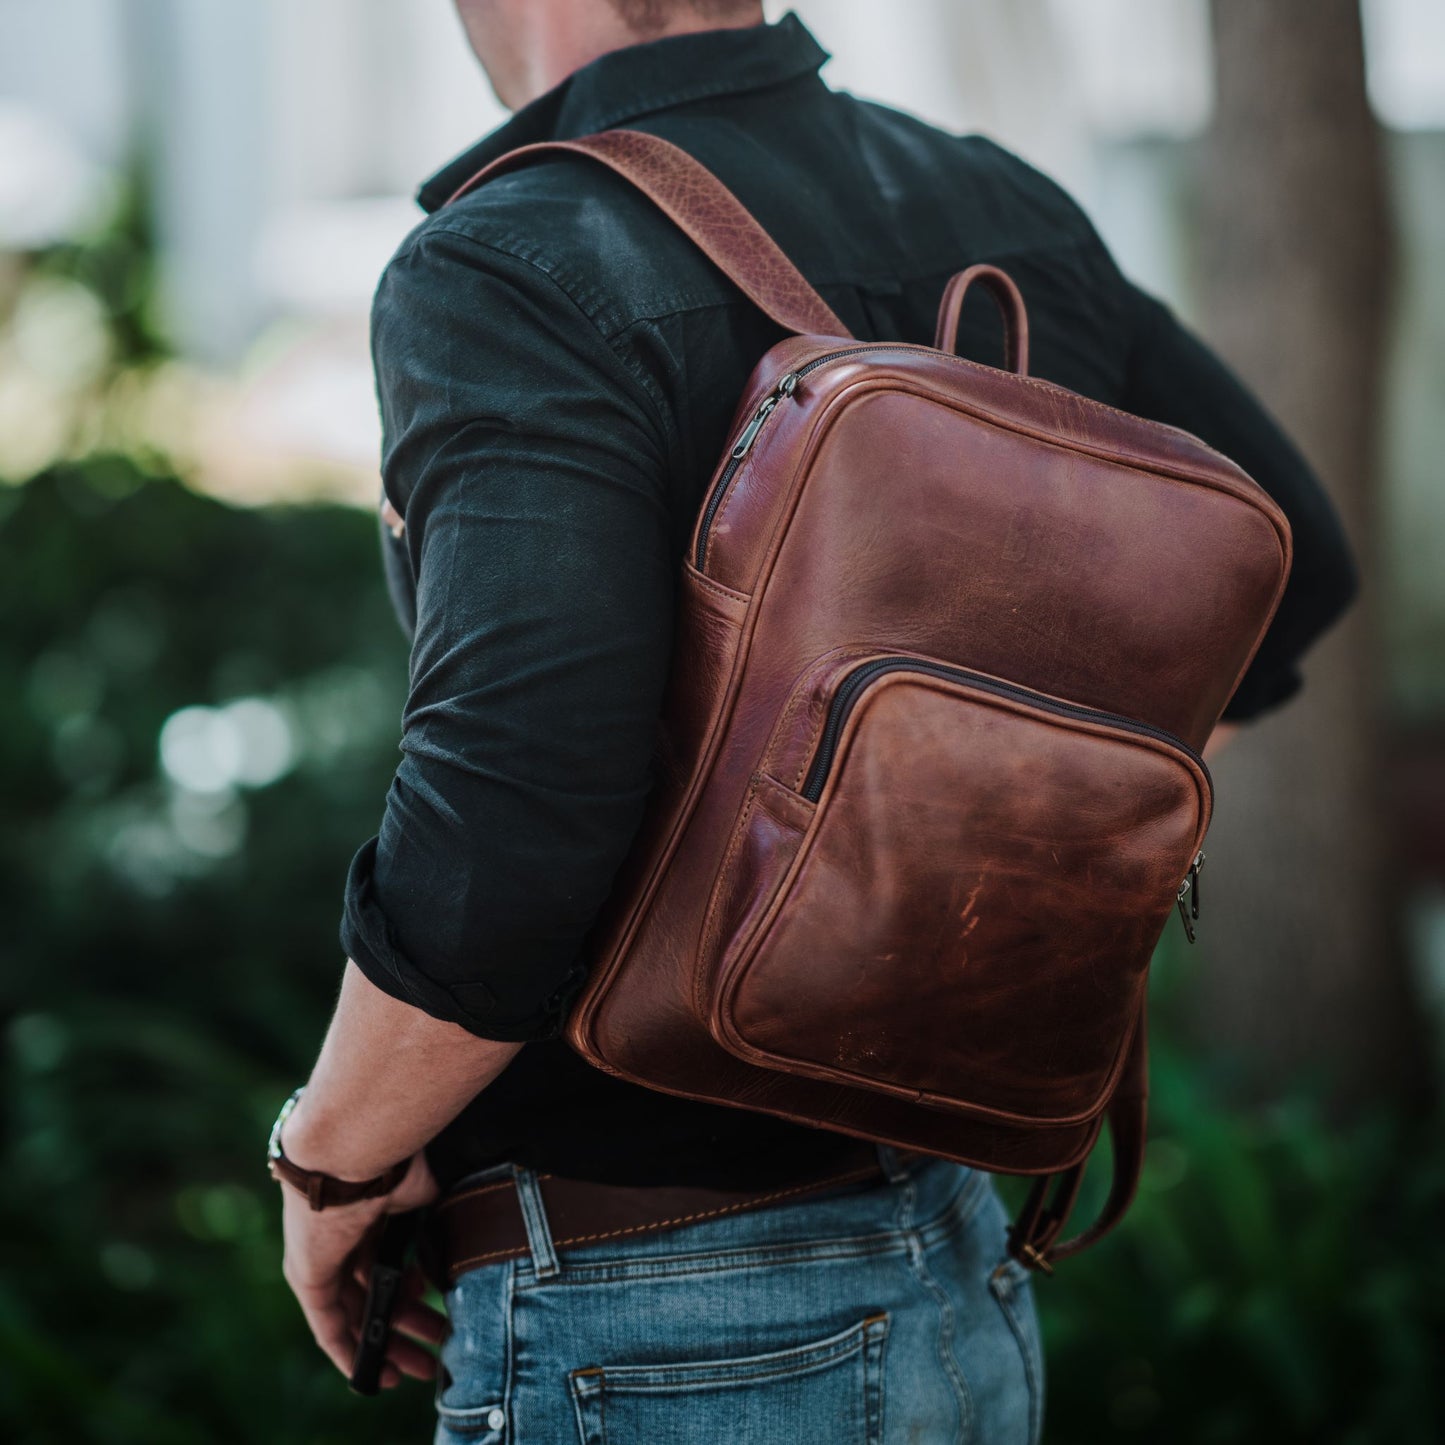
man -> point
(558, 369)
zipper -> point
(784, 389)
(786, 386)
(1189, 889)
(852, 686)
(854, 683)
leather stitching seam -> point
(703, 580)
(714, 901)
(480, 1189)
(853, 1176)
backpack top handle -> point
(1000, 285)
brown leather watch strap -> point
(704, 210)
(323, 1191)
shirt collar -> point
(625, 84)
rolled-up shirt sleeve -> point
(528, 457)
(1175, 378)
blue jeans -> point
(881, 1313)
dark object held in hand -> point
(388, 1268)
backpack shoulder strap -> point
(1034, 1238)
(690, 196)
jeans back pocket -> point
(827, 1393)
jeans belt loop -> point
(534, 1220)
(893, 1168)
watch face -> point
(273, 1144)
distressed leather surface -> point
(971, 917)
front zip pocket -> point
(860, 677)
(952, 891)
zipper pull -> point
(745, 442)
(1189, 889)
(785, 388)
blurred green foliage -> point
(170, 957)
(118, 265)
(1279, 1279)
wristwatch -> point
(323, 1190)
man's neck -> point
(558, 40)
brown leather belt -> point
(483, 1223)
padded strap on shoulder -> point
(1032, 1240)
(704, 209)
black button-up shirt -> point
(558, 368)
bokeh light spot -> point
(268, 744)
(212, 825)
(201, 749)
(88, 753)
(247, 743)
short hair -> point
(648, 17)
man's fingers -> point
(420, 1321)
(411, 1315)
(334, 1303)
(410, 1358)
(328, 1319)
(334, 1315)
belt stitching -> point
(480, 1189)
(515, 1250)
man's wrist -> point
(326, 1176)
(318, 1139)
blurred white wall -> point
(288, 134)
(1049, 78)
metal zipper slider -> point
(745, 442)
(1189, 889)
(786, 387)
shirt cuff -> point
(370, 942)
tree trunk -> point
(1303, 977)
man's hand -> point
(388, 1078)
(328, 1254)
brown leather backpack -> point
(929, 784)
